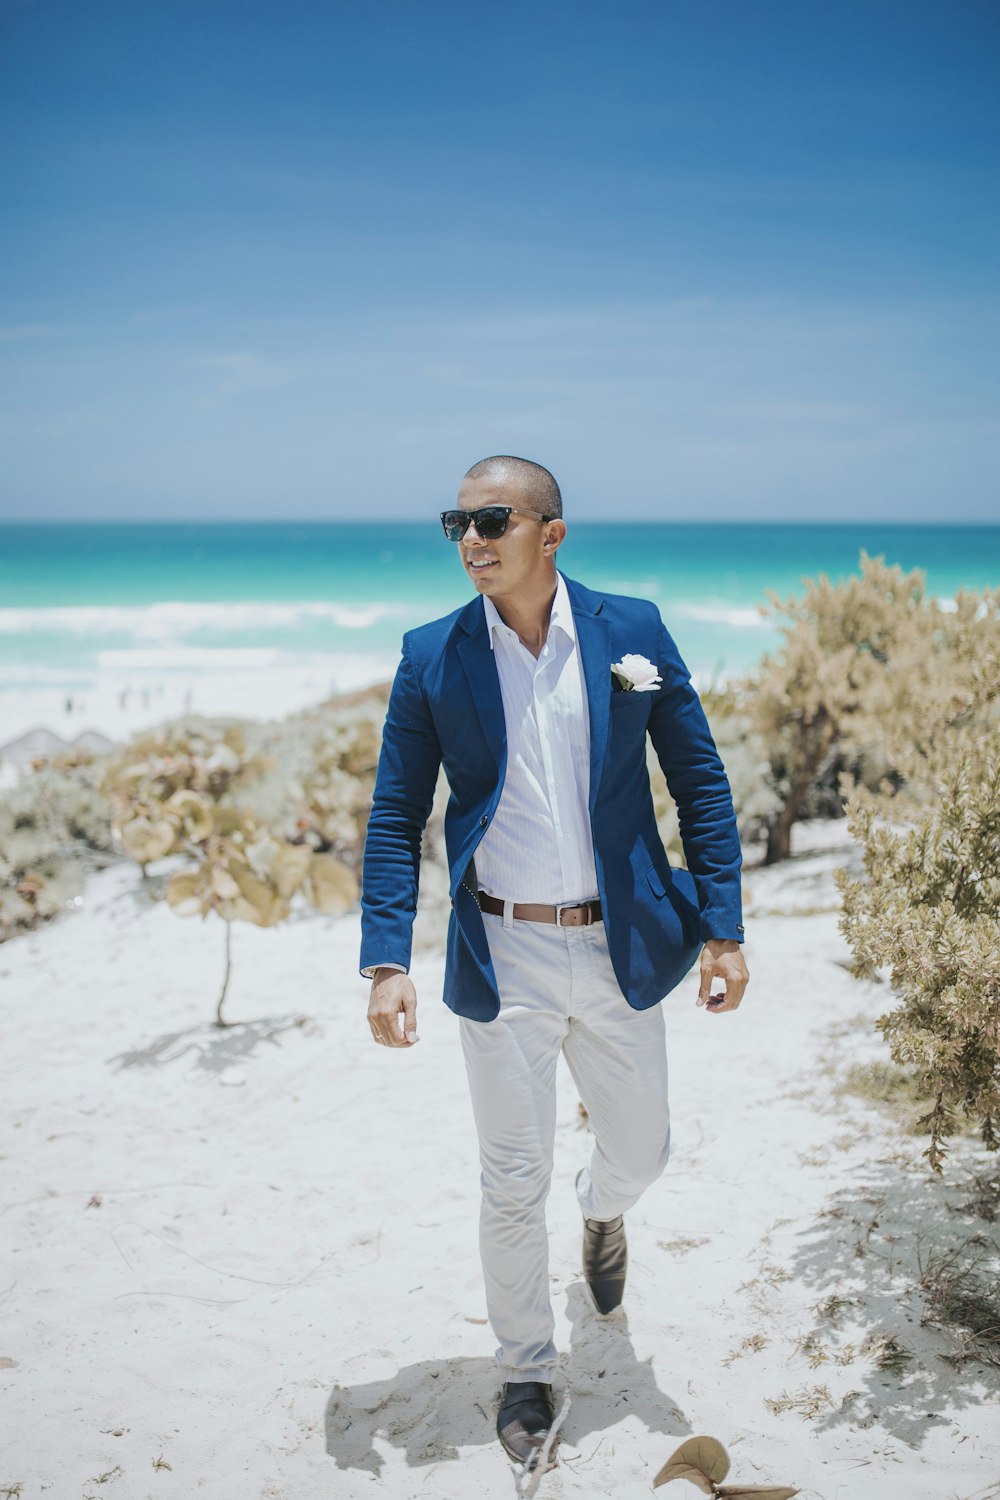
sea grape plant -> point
(186, 789)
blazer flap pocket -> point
(655, 879)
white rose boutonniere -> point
(636, 674)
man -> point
(568, 925)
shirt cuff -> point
(369, 973)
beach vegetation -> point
(961, 1289)
(187, 789)
(808, 699)
(927, 913)
(866, 665)
(752, 1344)
(55, 827)
(809, 1401)
(907, 687)
(889, 1087)
(255, 818)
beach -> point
(288, 290)
(245, 1262)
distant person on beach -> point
(568, 924)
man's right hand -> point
(392, 1009)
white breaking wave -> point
(170, 619)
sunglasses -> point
(491, 521)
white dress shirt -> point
(539, 846)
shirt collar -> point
(561, 613)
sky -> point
(703, 259)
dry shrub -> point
(928, 909)
(868, 666)
(55, 826)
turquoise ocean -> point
(90, 608)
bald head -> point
(534, 484)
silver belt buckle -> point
(575, 906)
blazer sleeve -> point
(697, 781)
(405, 782)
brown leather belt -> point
(575, 914)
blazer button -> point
(483, 821)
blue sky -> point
(703, 260)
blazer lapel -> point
(593, 635)
(480, 669)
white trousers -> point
(558, 992)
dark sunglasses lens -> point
(491, 522)
(455, 523)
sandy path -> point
(245, 1263)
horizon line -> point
(577, 521)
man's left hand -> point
(722, 958)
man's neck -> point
(528, 615)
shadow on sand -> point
(434, 1409)
(870, 1247)
(213, 1049)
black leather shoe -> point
(524, 1420)
(605, 1261)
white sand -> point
(244, 1263)
(119, 702)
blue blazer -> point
(446, 708)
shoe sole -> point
(531, 1464)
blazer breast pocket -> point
(629, 710)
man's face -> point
(517, 562)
